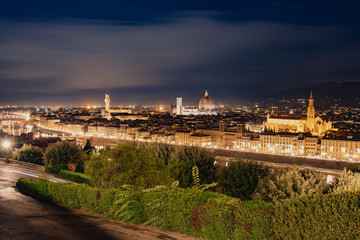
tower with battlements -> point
(107, 102)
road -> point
(223, 161)
(22, 217)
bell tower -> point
(311, 113)
(107, 102)
(179, 107)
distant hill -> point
(344, 94)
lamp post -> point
(7, 146)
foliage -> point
(56, 168)
(2, 153)
(212, 215)
(88, 148)
(196, 180)
(61, 152)
(184, 158)
(240, 179)
(28, 153)
(162, 151)
(74, 176)
(203, 214)
(82, 157)
(330, 216)
(290, 183)
(195, 175)
(181, 159)
(70, 194)
(72, 166)
(126, 164)
(347, 181)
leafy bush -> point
(331, 216)
(74, 176)
(347, 181)
(290, 183)
(240, 179)
(28, 153)
(126, 164)
(56, 168)
(61, 153)
(72, 195)
(212, 215)
(203, 214)
(163, 151)
(184, 158)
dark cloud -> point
(74, 61)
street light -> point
(7, 146)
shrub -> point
(212, 215)
(347, 181)
(56, 168)
(61, 153)
(28, 153)
(240, 179)
(331, 216)
(163, 151)
(72, 195)
(74, 176)
(126, 164)
(82, 157)
(290, 183)
(184, 158)
(203, 214)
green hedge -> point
(332, 216)
(212, 215)
(56, 168)
(74, 176)
(203, 214)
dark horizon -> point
(64, 53)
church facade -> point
(206, 107)
(315, 125)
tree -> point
(290, 183)
(28, 153)
(347, 181)
(127, 165)
(62, 153)
(240, 179)
(82, 157)
(184, 158)
(88, 148)
(163, 151)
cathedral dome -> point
(206, 103)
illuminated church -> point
(315, 125)
(206, 107)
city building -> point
(298, 124)
(107, 111)
(340, 149)
(206, 103)
(206, 107)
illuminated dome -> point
(206, 103)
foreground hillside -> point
(211, 215)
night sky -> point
(150, 52)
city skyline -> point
(165, 119)
(146, 53)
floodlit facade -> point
(340, 149)
(315, 125)
(206, 107)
